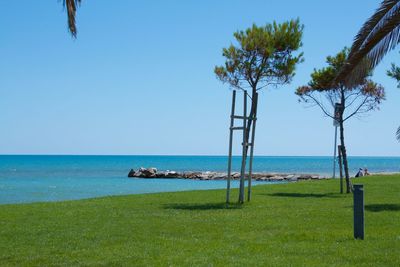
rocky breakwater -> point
(208, 175)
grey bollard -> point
(358, 204)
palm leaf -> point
(71, 6)
(398, 134)
(380, 34)
(372, 24)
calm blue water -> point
(53, 178)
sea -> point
(42, 178)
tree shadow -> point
(204, 206)
(382, 207)
(304, 195)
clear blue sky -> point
(139, 79)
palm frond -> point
(371, 24)
(71, 6)
(380, 34)
(398, 134)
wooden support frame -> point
(246, 121)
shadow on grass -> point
(204, 206)
(303, 195)
(382, 207)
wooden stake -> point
(228, 186)
(244, 150)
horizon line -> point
(190, 155)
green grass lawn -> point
(296, 224)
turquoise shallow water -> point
(54, 178)
(25, 190)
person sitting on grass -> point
(360, 173)
(366, 172)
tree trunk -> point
(343, 147)
(344, 155)
(251, 115)
(248, 128)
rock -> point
(146, 173)
(171, 174)
(235, 175)
(160, 175)
(275, 178)
(143, 173)
(149, 173)
(304, 177)
(291, 178)
(132, 173)
(205, 176)
(192, 175)
(219, 176)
